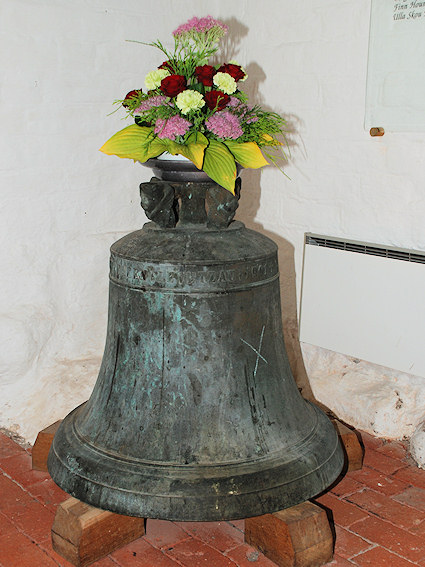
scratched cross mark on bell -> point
(257, 352)
(195, 414)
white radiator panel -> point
(364, 305)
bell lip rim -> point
(242, 504)
(270, 459)
(258, 489)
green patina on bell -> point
(195, 414)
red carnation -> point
(129, 96)
(173, 85)
(216, 99)
(234, 71)
(205, 75)
(166, 65)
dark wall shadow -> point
(230, 44)
(249, 204)
(250, 200)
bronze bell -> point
(195, 414)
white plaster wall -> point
(384, 402)
(64, 203)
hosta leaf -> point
(248, 154)
(219, 164)
(173, 148)
(193, 149)
(134, 142)
(197, 144)
(154, 148)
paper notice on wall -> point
(395, 95)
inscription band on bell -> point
(215, 277)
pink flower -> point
(151, 103)
(234, 102)
(242, 109)
(200, 25)
(224, 124)
(174, 126)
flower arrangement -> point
(197, 110)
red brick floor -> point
(378, 514)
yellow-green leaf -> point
(248, 154)
(134, 142)
(193, 149)
(155, 148)
(219, 164)
(196, 144)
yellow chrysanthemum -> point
(154, 78)
(225, 83)
(189, 100)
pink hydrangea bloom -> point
(224, 124)
(172, 127)
(241, 108)
(200, 25)
(151, 103)
(234, 102)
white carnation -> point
(154, 78)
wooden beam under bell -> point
(296, 537)
(354, 452)
(42, 445)
(83, 534)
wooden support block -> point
(296, 537)
(42, 446)
(353, 449)
(83, 534)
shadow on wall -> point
(230, 44)
(250, 203)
